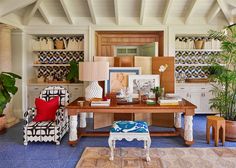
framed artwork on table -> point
(118, 78)
(143, 83)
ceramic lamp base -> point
(94, 90)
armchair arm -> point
(29, 115)
(61, 115)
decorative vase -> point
(230, 130)
(199, 44)
(3, 126)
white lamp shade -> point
(93, 71)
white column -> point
(73, 128)
(6, 65)
(188, 128)
(177, 120)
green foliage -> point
(224, 75)
(7, 88)
(73, 73)
(157, 91)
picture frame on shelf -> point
(118, 78)
(143, 83)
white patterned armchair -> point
(47, 131)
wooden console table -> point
(184, 107)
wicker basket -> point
(59, 44)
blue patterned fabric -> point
(129, 126)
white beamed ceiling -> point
(118, 12)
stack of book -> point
(101, 103)
(170, 100)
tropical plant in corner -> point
(8, 88)
(73, 74)
(223, 74)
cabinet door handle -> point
(181, 88)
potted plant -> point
(7, 90)
(73, 75)
(157, 91)
(224, 79)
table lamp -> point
(93, 72)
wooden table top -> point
(127, 108)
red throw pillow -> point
(46, 110)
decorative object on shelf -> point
(59, 44)
(199, 44)
(224, 77)
(8, 88)
(143, 83)
(93, 72)
(118, 78)
(157, 92)
(73, 74)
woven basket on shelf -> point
(59, 44)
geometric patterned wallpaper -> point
(57, 57)
(191, 63)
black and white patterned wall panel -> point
(60, 57)
(58, 71)
(196, 57)
(192, 72)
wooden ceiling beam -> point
(225, 9)
(190, 11)
(142, 11)
(9, 6)
(117, 16)
(30, 12)
(64, 4)
(213, 12)
(92, 11)
(168, 8)
(44, 13)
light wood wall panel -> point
(124, 38)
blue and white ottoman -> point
(129, 130)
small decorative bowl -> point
(150, 102)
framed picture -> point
(143, 83)
(118, 78)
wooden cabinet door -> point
(75, 92)
(33, 93)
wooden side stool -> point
(218, 129)
(129, 130)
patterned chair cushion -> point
(129, 126)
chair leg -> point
(110, 143)
(148, 142)
(25, 143)
(208, 133)
(216, 136)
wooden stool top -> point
(217, 118)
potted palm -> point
(224, 79)
(7, 90)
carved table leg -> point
(82, 123)
(73, 130)
(188, 129)
(177, 120)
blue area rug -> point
(48, 155)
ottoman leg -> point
(110, 142)
(148, 142)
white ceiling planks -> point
(119, 12)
